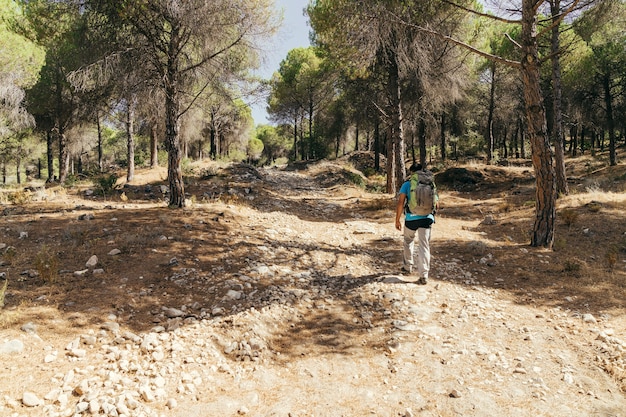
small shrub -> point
(569, 217)
(19, 197)
(594, 206)
(47, 265)
(71, 180)
(611, 257)
(573, 268)
(4, 283)
(209, 172)
(559, 244)
(356, 179)
(106, 183)
(504, 207)
(9, 254)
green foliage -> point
(105, 183)
(276, 143)
(255, 148)
(472, 145)
(356, 179)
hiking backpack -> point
(423, 194)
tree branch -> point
(481, 14)
(496, 58)
(557, 21)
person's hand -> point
(398, 224)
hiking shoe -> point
(422, 281)
(406, 269)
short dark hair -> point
(415, 167)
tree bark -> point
(130, 140)
(610, 121)
(295, 137)
(154, 148)
(172, 139)
(50, 152)
(64, 155)
(396, 170)
(100, 158)
(421, 138)
(377, 145)
(557, 104)
(492, 105)
(443, 137)
(542, 157)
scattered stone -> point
(114, 252)
(92, 262)
(12, 346)
(589, 318)
(30, 400)
(455, 394)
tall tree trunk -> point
(492, 105)
(172, 138)
(64, 155)
(100, 158)
(545, 210)
(516, 140)
(443, 137)
(582, 139)
(295, 137)
(421, 139)
(610, 121)
(216, 148)
(303, 147)
(50, 154)
(396, 170)
(130, 140)
(574, 140)
(377, 145)
(505, 151)
(391, 162)
(356, 137)
(154, 146)
(557, 104)
(522, 138)
(18, 170)
(310, 110)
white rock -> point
(30, 400)
(233, 295)
(589, 318)
(92, 262)
(146, 394)
(114, 252)
(12, 346)
(171, 403)
(94, 406)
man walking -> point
(418, 200)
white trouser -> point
(423, 250)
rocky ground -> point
(277, 293)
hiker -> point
(418, 200)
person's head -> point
(415, 167)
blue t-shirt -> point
(406, 189)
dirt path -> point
(311, 319)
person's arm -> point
(399, 210)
